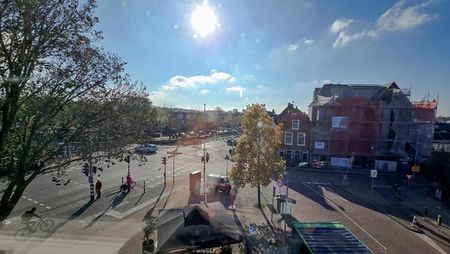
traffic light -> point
(127, 158)
(207, 157)
(86, 169)
(94, 170)
(164, 160)
(203, 158)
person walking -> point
(98, 188)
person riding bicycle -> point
(28, 215)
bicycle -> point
(44, 225)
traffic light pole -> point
(91, 175)
(204, 174)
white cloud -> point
(179, 81)
(157, 95)
(397, 18)
(308, 42)
(292, 47)
(232, 80)
(296, 46)
(339, 25)
(204, 91)
(236, 89)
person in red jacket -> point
(98, 188)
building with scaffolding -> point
(369, 126)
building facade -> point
(368, 126)
(296, 126)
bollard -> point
(122, 180)
(144, 186)
(425, 211)
(439, 220)
(413, 224)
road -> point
(320, 197)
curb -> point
(339, 171)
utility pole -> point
(91, 175)
(204, 156)
(172, 155)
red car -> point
(218, 183)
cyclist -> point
(28, 215)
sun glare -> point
(203, 20)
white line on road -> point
(24, 197)
(348, 217)
(34, 201)
(41, 204)
(29, 199)
(48, 207)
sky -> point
(275, 52)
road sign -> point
(373, 173)
(280, 182)
(409, 177)
(415, 169)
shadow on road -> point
(149, 213)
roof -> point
(329, 237)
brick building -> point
(296, 131)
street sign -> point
(415, 169)
(373, 173)
(409, 177)
(280, 182)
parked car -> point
(319, 164)
(218, 183)
(147, 149)
(302, 165)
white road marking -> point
(48, 207)
(34, 201)
(41, 204)
(24, 197)
(332, 191)
(348, 217)
(29, 199)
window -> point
(339, 122)
(288, 138)
(301, 139)
(295, 124)
(288, 154)
(296, 155)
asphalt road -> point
(44, 194)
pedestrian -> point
(98, 188)
(129, 181)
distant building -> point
(235, 111)
(369, 126)
(296, 134)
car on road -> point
(218, 183)
(147, 149)
(319, 164)
(231, 142)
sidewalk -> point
(269, 236)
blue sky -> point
(274, 52)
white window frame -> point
(298, 128)
(304, 138)
(292, 137)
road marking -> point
(24, 197)
(48, 207)
(34, 201)
(41, 204)
(317, 183)
(348, 217)
(29, 199)
(332, 191)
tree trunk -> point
(10, 198)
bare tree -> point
(59, 90)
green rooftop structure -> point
(328, 237)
